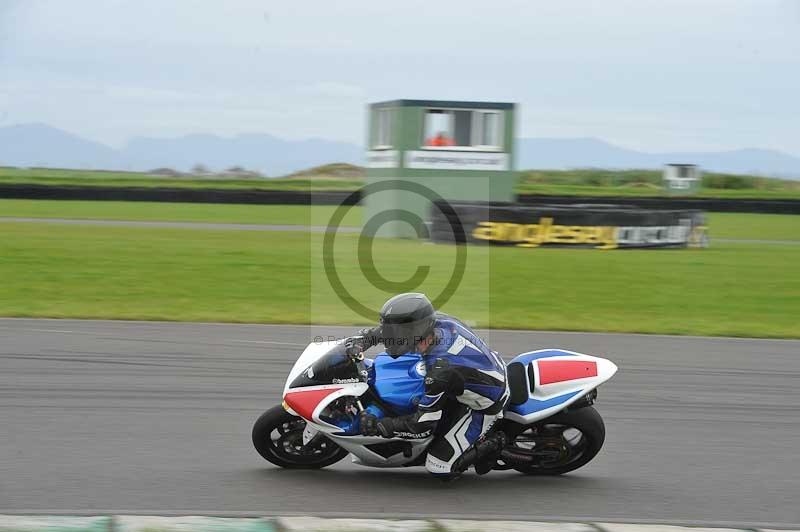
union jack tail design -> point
(555, 378)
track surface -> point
(125, 417)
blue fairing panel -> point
(400, 382)
(525, 358)
(534, 405)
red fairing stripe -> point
(551, 371)
(305, 402)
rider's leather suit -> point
(465, 392)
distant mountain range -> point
(42, 145)
(594, 153)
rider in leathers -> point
(465, 386)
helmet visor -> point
(396, 338)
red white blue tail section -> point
(556, 378)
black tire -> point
(592, 434)
(284, 451)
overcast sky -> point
(654, 75)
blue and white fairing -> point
(320, 378)
(399, 382)
(554, 379)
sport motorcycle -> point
(550, 424)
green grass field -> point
(54, 177)
(176, 212)
(579, 182)
(722, 225)
(747, 226)
(555, 189)
(599, 182)
(51, 270)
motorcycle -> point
(550, 424)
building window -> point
(439, 128)
(382, 131)
(488, 132)
(462, 129)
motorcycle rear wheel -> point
(558, 444)
(278, 438)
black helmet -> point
(405, 320)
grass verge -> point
(99, 178)
(722, 225)
(746, 226)
(556, 189)
(176, 212)
(578, 182)
(51, 270)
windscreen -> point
(334, 367)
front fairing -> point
(325, 361)
(322, 376)
(333, 367)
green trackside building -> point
(460, 150)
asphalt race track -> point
(124, 417)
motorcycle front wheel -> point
(278, 438)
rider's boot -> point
(483, 453)
(496, 442)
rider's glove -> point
(354, 345)
(372, 426)
(366, 338)
(371, 336)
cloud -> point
(333, 89)
(659, 73)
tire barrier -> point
(143, 523)
(590, 226)
(763, 206)
(334, 197)
(178, 195)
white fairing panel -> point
(309, 401)
(560, 378)
(310, 354)
(362, 455)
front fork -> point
(357, 357)
(310, 434)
